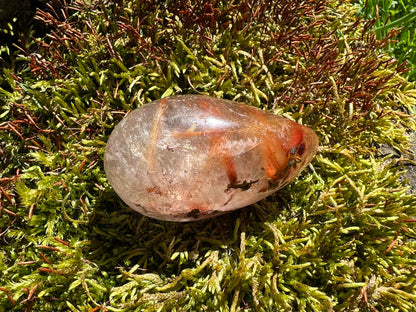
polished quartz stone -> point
(191, 157)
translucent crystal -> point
(191, 157)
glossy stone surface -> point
(191, 157)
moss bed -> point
(341, 237)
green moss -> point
(395, 14)
(340, 237)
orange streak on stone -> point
(155, 133)
(227, 160)
(297, 137)
(188, 134)
(275, 160)
(229, 164)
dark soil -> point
(409, 162)
(410, 175)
